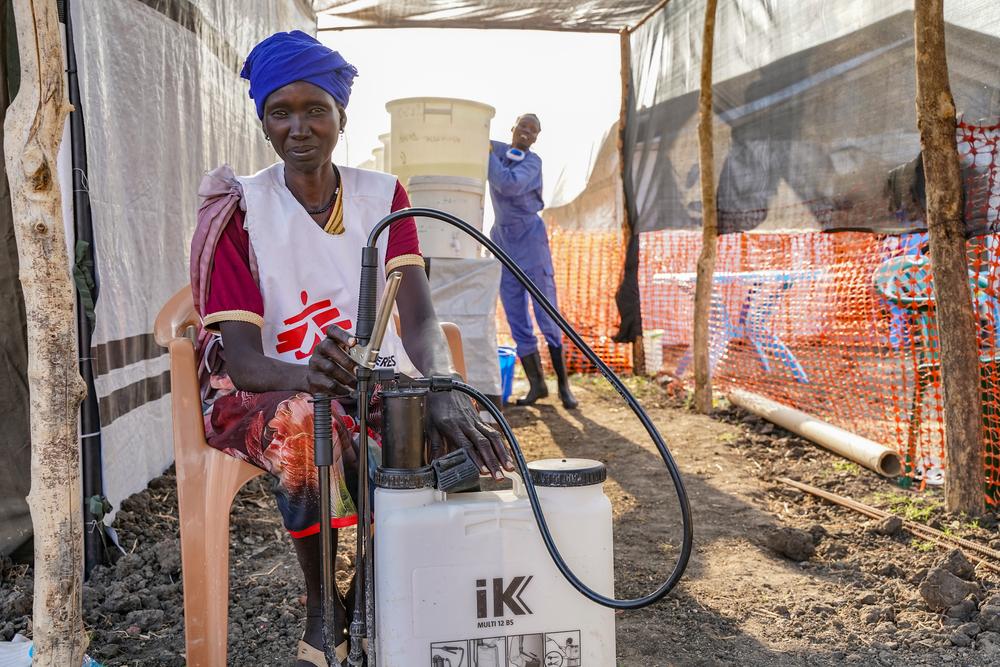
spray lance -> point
(372, 324)
(372, 320)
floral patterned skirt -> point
(274, 431)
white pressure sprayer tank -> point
(465, 580)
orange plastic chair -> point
(207, 482)
(454, 337)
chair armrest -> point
(175, 316)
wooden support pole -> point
(33, 130)
(956, 323)
(625, 53)
(625, 45)
(710, 222)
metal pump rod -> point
(323, 455)
(360, 629)
(363, 623)
(366, 355)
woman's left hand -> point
(453, 421)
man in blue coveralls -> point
(515, 175)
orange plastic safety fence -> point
(980, 146)
(797, 318)
(588, 268)
(842, 325)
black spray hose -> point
(614, 380)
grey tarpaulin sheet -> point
(15, 446)
(595, 201)
(814, 107)
(163, 103)
(465, 292)
(590, 16)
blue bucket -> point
(506, 356)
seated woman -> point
(275, 271)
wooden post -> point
(624, 35)
(964, 477)
(710, 223)
(33, 131)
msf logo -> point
(504, 598)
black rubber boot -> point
(559, 366)
(532, 364)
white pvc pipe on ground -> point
(862, 451)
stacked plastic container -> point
(437, 147)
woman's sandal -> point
(314, 656)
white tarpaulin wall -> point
(163, 103)
(465, 293)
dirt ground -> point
(854, 601)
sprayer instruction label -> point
(550, 649)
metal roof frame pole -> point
(33, 130)
(964, 476)
(94, 502)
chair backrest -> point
(905, 280)
(453, 335)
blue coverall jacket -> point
(516, 191)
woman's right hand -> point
(331, 368)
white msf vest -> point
(309, 279)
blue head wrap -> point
(287, 57)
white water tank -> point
(386, 164)
(438, 136)
(462, 197)
(465, 579)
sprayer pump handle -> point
(456, 471)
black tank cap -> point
(405, 479)
(567, 472)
